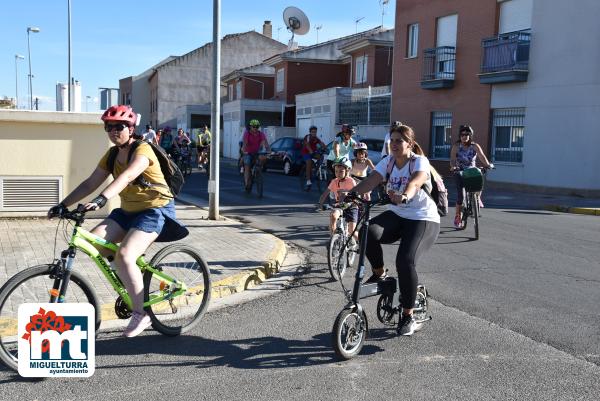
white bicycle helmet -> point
(360, 146)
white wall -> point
(325, 120)
(562, 99)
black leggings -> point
(417, 237)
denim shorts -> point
(149, 220)
(249, 158)
(351, 214)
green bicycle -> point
(176, 287)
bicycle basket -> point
(472, 179)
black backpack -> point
(438, 193)
(169, 169)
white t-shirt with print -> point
(421, 206)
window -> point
(441, 134)
(279, 83)
(230, 92)
(413, 41)
(361, 69)
(508, 131)
(238, 90)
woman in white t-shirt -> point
(411, 218)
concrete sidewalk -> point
(239, 256)
(501, 197)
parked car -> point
(285, 155)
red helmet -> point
(120, 113)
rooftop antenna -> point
(278, 29)
(296, 22)
(318, 28)
(357, 20)
(383, 3)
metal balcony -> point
(505, 58)
(438, 67)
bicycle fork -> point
(62, 276)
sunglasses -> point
(465, 134)
(118, 127)
(255, 126)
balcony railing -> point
(505, 58)
(438, 67)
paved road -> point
(533, 272)
(279, 348)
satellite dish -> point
(296, 22)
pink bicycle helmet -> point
(120, 113)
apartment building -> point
(505, 68)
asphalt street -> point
(514, 317)
(533, 271)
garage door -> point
(302, 127)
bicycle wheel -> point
(319, 179)
(302, 177)
(466, 210)
(386, 311)
(181, 313)
(33, 285)
(475, 207)
(336, 256)
(349, 333)
(259, 181)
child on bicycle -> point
(340, 186)
(361, 164)
(145, 213)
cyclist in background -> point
(203, 145)
(343, 145)
(464, 154)
(340, 186)
(149, 135)
(166, 141)
(310, 146)
(361, 162)
(252, 141)
(385, 150)
(145, 212)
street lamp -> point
(35, 30)
(86, 102)
(17, 57)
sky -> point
(114, 40)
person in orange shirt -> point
(340, 186)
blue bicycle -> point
(319, 174)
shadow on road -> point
(246, 353)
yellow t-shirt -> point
(135, 198)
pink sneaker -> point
(138, 323)
(457, 222)
(480, 203)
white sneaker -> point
(138, 323)
(308, 183)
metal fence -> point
(439, 63)
(506, 52)
(508, 131)
(368, 106)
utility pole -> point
(213, 181)
(318, 28)
(69, 86)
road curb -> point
(590, 211)
(236, 283)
